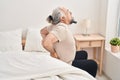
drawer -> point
(95, 43)
(84, 44)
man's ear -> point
(62, 19)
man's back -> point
(65, 47)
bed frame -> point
(23, 44)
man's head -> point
(61, 14)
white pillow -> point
(10, 40)
(34, 40)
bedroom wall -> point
(32, 13)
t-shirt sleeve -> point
(49, 28)
(59, 32)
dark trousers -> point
(81, 62)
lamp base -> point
(86, 34)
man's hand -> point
(44, 32)
(48, 43)
(54, 55)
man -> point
(57, 38)
(59, 41)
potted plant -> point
(115, 43)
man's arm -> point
(48, 42)
(44, 32)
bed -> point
(34, 62)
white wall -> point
(103, 17)
(112, 65)
(26, 13)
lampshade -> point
(86, 23)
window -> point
(119, 26)
(118, 19)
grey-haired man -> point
(57, 38)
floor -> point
(102, 77)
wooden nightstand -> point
(92, 41)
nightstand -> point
(92, 41)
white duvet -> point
(37, 66)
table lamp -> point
(86, 23)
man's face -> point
(67, 15)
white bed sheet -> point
(21, 65)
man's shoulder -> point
(62, 24)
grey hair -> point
(55, 17)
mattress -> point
(20, 65)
